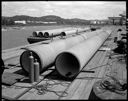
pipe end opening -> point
(24, 60)
(40, 34)
(34, 34)
(67, 65)
(46, 34)
(63, 33)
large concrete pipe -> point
(75, 31)
(54, 32)
(91, 34)
(41, 33)
(70, 62)
(69, 32)
(64, 31)
(46, 53)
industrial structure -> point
(121, 20)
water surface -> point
(17, 37)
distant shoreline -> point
(18, 26)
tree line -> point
(6, 21)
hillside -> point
(49, 18)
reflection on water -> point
(17, 36)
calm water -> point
(17, 37)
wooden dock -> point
(57, 88)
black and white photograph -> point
(63, 50)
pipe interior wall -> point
(35, 33)
(40, 34)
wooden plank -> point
(52, 95)
(58, 86)
(56, 89)
(117, 69)
(88, 88)
(13, 93)
(81, 81)
(75, 89)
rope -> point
(109, 61)
(43, 88)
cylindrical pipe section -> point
(54, 32)
(69, 32)
(46, 53)
(70, 62)
(57, 32)
(64, 32)
(74, 31)
(91, 34)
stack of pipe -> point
(70, 62)
(57, 32)
(69, 32)
(46, 53)
(54, 32)
(75, 31)
(41, 33)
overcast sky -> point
(65, 9)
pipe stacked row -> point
(46, 53)
(57, 32)
(70, 62)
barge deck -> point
(54, 87)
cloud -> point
(65, 9)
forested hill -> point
(49, 18)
